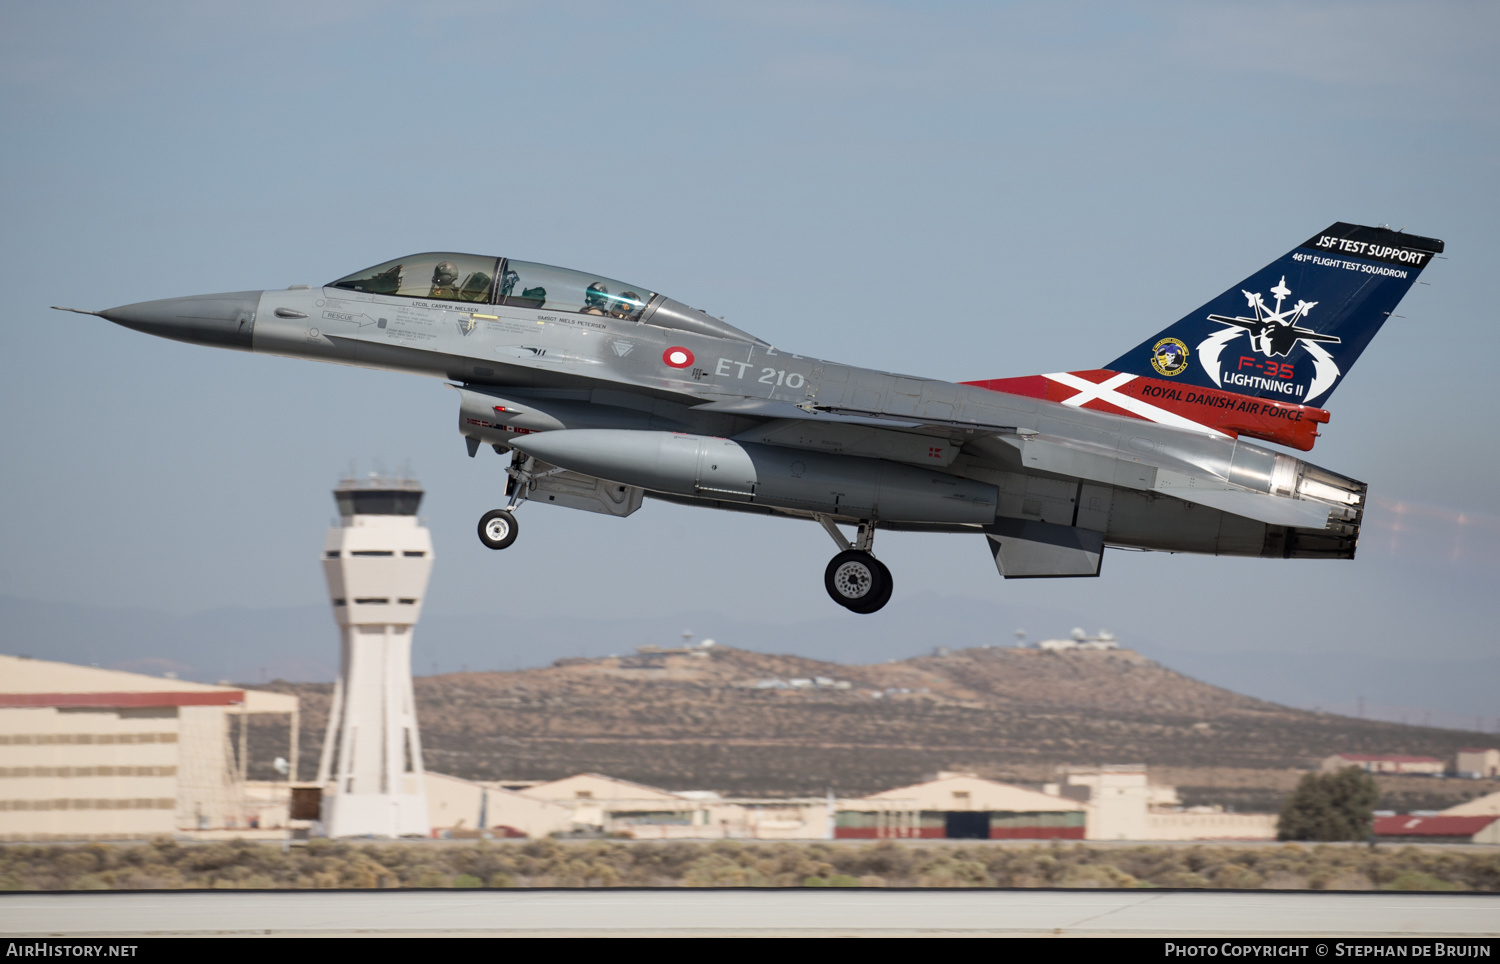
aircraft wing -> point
(770, 408)
(1066, 456)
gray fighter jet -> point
(603, 393)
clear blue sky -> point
(963, 190)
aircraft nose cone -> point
(226, 320)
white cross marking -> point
(1105, 392)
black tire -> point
(855, 579)
(497, 529)
(882, 595)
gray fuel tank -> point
(722, 469)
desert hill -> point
(743, 722)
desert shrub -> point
(1330, 806)
(1097, 875)
(1418, 880)
(166, 865)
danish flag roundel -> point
(677, 357)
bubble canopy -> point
(451, 276)
(440, 275)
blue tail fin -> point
(1291, 331)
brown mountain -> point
(735, 721)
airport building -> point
(1486, 806)
(1437, 828)
(1385, 763)
(97, 754)
(1102, 803)
(377, 562)
(962, 806)
(591, 803)
(1478, 763)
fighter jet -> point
(603, 393)
(1272, 330)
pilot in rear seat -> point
(626, 305)
(596, 299)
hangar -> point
(98, 754)
(961, 807)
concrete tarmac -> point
(761, 913)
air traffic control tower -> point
(377, 561)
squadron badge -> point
(1170, 357)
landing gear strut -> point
(855, 579)
(497, 527)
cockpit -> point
(446, 276)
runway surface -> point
(803, 912)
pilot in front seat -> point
(444, 281)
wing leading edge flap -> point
(1025, 549)
(771, 408)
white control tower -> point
(377, 562)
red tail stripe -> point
(1284, 423)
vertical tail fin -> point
(1261, 358)
(1291, 331)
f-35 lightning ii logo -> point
(1273, 333)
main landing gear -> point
(497, 527)
(855, 579)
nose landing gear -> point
(855, 579)
(497, 527)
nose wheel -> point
(497, 528)
(858, 581)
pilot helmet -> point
(596, 295)
(445, 273)
(627, 304)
